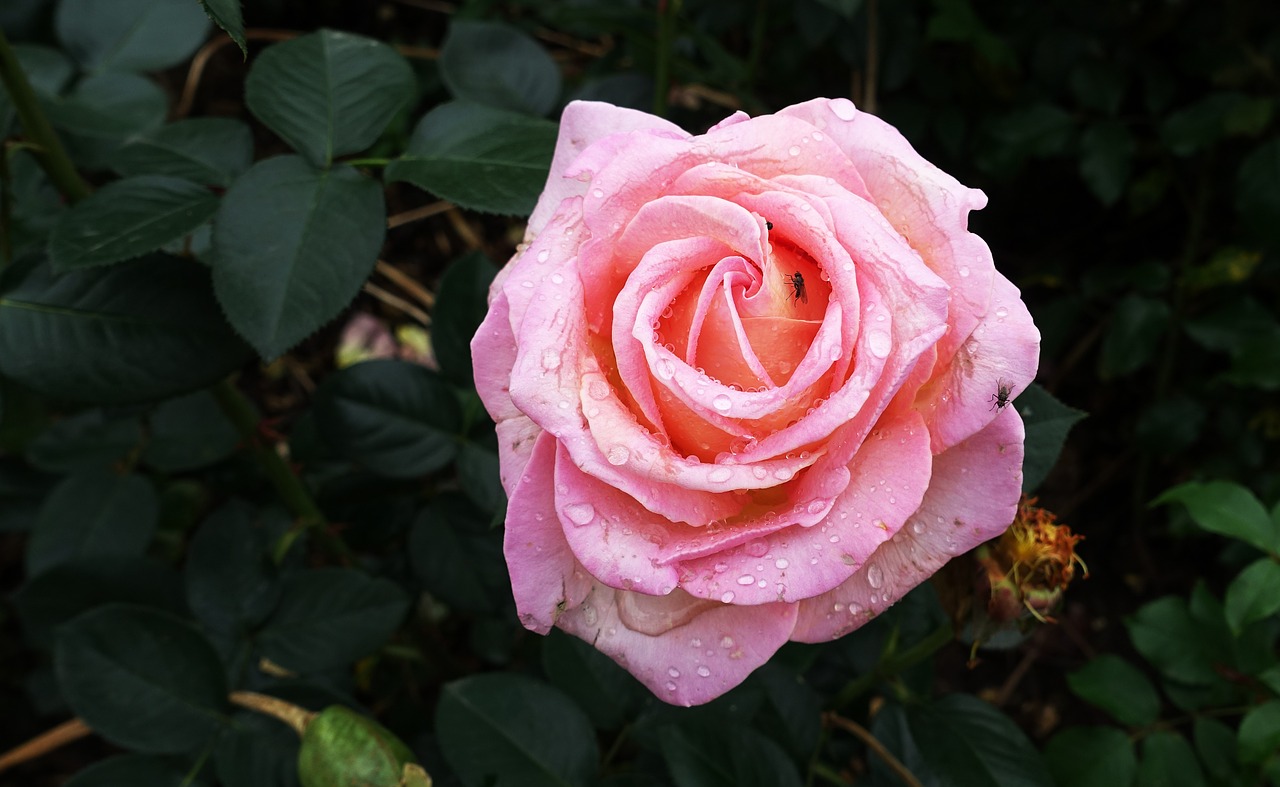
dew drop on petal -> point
(557, 278)
(875, 577)
(757, 548)
(879, 343)
(580, 513)
(781, 563)
(722, 402)
(719, 475)
(727, 597)
(550, 360)
(964, 271)
(746, 579)
(795, 150)
(598, 194)
(673, 672)
(727, 642)
(703, 671)
(843, 108)
(544, 255)
(618, 454)
(666, 369)
(598, 390)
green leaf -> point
(86, 441)
(134, 770)
(608, 693)
(292, 246)
(1199, 125)
(481, 158)
(102, 111)
(396, 418)
(142, 679)
(961, 739)
(46, 602)
(794, 717)
(457, 557)
(505, 730)
(495, 64)
(328, 93)
(1047, 423)
(1106, 155)
(461, 304)
(1216, 745)
(1259, 733)
(133, 332)
(711, 755)
(1254, 595)
(1168, 761)
(1137, 325)
(209, 151)
(1119, 688)
(226, 13)
(189, 433)
(130, 35)
(127, 219)
(93, 514)
(257, 751)
(1179, 644)
(479, 475)
(1257, 192)
(1227, 509)
(1090, 756)
(329, 617)
(232, 584)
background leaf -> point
(1086, 756)
(495, 64)
(292, 245)
(1047, 423)
(478, 157)
(142, 678)
(93, 514)
(130, 35)
(227, 15)
(1113, 684)
(209, 151)
(328, 93)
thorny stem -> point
(297, 499)
(862, 734)
(48, 146)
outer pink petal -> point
(707, 650)
(545, 578)
(582, 124)
(972, 497)
(1004, 349)
(882, 487)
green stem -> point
(50, 152)
(288, 486)
(667, 10)
(892, 663)
(367, 162)
(6, 210)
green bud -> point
(342, 748)
(414, 776)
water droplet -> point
(580, 513)
(834, 539)
(757, 548)
(746, 579)
(1002, 312)
(695, 643)
(727, 597)
(764, 583)
(557, 278)
(781, 563)
(843, 108)
(964, 271)
(598, 390)
(721, 567)
(879, 343)
(795, 150)
(598, 194)
(544, 255)
(816, 506)
(759, 472)
(618, 454)
(550, 360)
(589, 615)
(783, 474)
(817, 136)
(671, 686)
(875, 576)
(673, 672)
(722, 402)
(703, 671)
(917, 527)
(727, 642)
(719, 475)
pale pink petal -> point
(1002, 351)
(972, 497)
(581, 124)
(545, 579)
(873, 498)
(708, 648)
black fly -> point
(796, 280)
(1000, 399)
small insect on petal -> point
(796, 280)
(1000, 399)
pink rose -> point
(745, 386)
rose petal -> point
(972, 497)
(545, 578)
(713, 648)
(582, 124)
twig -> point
(421, 294)
(862, 734)
(395, 301)
(35, 125)
(45, 742)
(419, 213)
(296, 717)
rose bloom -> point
(746, 386)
